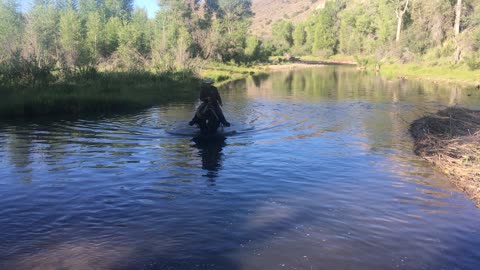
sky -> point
(150, 5)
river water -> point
(316, 172)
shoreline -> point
(437, 74)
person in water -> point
(209, 95)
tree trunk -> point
(458, 17)
(400, 14)
(399, 28)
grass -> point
(103, 93)
(450, 140)
(223, 73)
(340, 59)
(443, 73)
(440, 70)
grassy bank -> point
(450, 140)
(102, 93)
(223, 73)
(444, 72)
(453, 74)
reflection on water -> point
(323, 178)
(210, 151)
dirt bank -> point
(450, 140)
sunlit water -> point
(317, 172)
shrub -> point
(473, 61)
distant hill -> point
(268, 12)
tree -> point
(94, 38)
(118, 8)
(71, 39)
(9, 28)
(399, 12)
(282, 32)
(252, 49)
(430, 25)
(299, 36)
(87, 7)
(41, 35)
(325, 29)
(458, 17)
(233, 18)
(112, 30)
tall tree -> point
(118, 8)
(10, 28)
(400, 13)
(458, 17)
(94, 38)
(325, 29)
(282, 32)
(86, 7)
(299, 36)
(71, 38)
(41, 35)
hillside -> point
(268, 12)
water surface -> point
(317, 172)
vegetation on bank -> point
(64, 37)
(71, 57)
(67, 44)
(223, 73)
(459, 74)
(439, 39)
(100, 93)
(450, 141)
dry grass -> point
(450, 140)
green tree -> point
(325, 29)
(87, 7)
(112, 30)
(10, 28)
(41, 35)
(94, 38)
(299, 38)
(70, 38)
(233, 22)
(282, 32)
(118, 8)
(431, 24)
(253, 48)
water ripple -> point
(317, 175)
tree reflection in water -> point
(210, 150)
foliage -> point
(282, 32)
(473, 61)
(368, 29)
(65, 37)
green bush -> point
(473, 61)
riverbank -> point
(441, 74)
(102, 93)
(450, 140)
(457, 74)
(223, 73)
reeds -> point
(450, 139)
(100, 93)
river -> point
(316, 172)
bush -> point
(473, 61)
(363, 61)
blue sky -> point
(150, 5)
